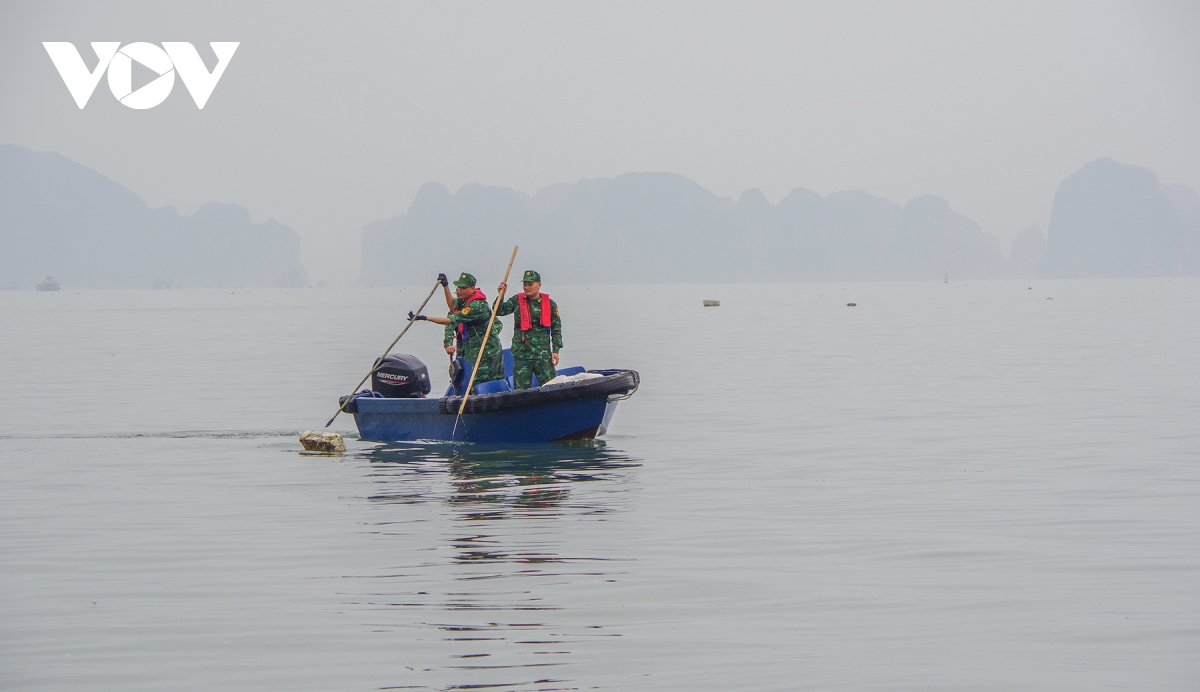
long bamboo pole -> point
(379, 360)
(479, 358)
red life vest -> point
(526, 320)
(462, 328)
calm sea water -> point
(961, 486)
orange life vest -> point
(526, 320)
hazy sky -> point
(331, 115)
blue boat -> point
(579, 408)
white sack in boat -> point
(564, 379)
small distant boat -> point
(712, 303)
(49, 285)
(11, 286)
(578, 405)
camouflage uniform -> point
(474, 316)
(531, 348)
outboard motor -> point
(401, 376)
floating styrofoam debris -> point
(322, 442)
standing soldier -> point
(537, 332)
(465, 325)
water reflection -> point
(500, 552)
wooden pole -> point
(380, 359)
(483, 345)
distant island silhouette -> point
(1115, 220)
(1109, 220)
(662, 227)
(60, 218)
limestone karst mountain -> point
(60, 218)
(661, 227)
(1028, 251)
(1116, 220)
(1109, 220)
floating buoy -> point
(851, 305)
(322, 442)
(712, 303)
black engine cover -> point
(401, 376)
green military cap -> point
(465, 280)
(531, 276)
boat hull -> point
(397, 420)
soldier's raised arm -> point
(508, 306)
(445, 282)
